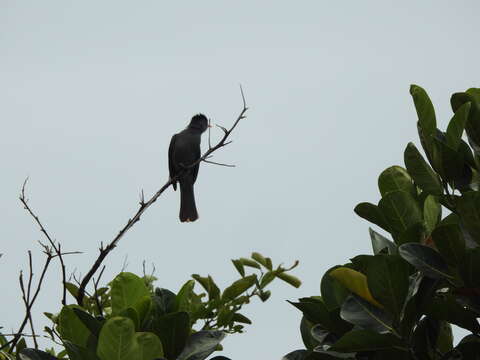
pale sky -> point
(91, 92)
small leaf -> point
(250, 263)
(239, 266)
(184, 295)
(425, 259)
(266, 262)
(290, 279)
(425, 110)
(239, 287)
(237, 317)
(32, 354)
(432, 212)
(356, 282)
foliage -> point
(131, 320)
(401, 302)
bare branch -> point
(104, 251)
(57, 248)
(215, 163)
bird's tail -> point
(188, 210)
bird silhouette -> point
(183, 151)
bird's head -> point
(199, 122)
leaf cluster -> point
(401, 301)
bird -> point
(184, 150)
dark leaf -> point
(366, 340)
(360, 312)
(421, 172)
(425, 259)
(173, 330)
(201, 344)
(371, 213)
(450, 243)
(379, 242)
(400, 211)
(32, 354)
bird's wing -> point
(171, 161)
(195, 168)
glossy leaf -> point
(126, 290)
(239, 287)
(173, 330)
(359, 312)
(380, 242)
(450, 243)
(456, 125)
(387, 278)
(366, 340)
(201, 344)
(421, 172)
(432, 212)
(149, 346)
(425, 110)
(448, 309)
(372, 213)
(468, 206)
(356, 282)
(306, 332)
(395, 178)
(116, 340)
(333, 292)
(400, 210)
(71, 328)
(470, 268)
(425, 259)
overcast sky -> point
(91, 93)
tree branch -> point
(104, 251)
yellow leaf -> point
(356, 282)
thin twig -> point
(57, 249)
(143, 207)
(215, 163)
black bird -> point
(184, 150)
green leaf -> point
(432, 212)
(184, 295)
(92, 324)
(387, 277)
(290, 279)
(237, 317)
(132, 314)
(71, 327)
(265, 261)
(72, 289)
(380, 242)
(395, 178)
(425, 110)
(366, 340)
(415, 233)
(400, 210)
(201, 344)
(356, 282)
(450, 243)
(76, 352)
(305, 330)
(209, 285)
(333, 292)
(452, 166)
(359, 312)
(164, 302)
(372, 213)
(425, 259)
(421, 172)
(468, 206)
(249, 263)
(173, 330)
(116, 341)
(314, 310)
(126, 290)
(149, 346)
(472, 125)
(457, 125)
(239, 287)
(239, 266)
